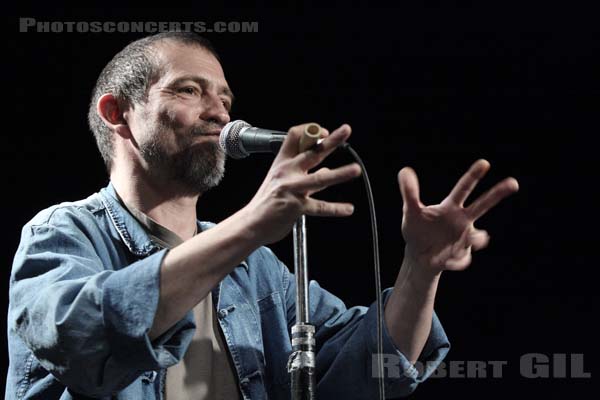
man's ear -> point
(112, 114)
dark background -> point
(431, 87)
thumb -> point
(409, 188)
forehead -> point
(178, 59)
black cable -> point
(379, 301)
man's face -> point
(177, 130)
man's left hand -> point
(442, 237)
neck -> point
(165, 202)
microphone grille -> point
(229, 139)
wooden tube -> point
(312, 133)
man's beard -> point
(196, 167)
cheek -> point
(178, 117)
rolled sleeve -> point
(402, 377)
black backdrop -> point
(434, 88)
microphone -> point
(238, 139)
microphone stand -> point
(301, 363)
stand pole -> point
(301, 363)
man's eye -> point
(188, 90)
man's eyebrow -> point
(202, 82)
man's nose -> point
(215, 110)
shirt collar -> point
(135, 236)
(159, 234)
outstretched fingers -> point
(492, 197)
(465, 185)
(321, 208)
(325, 177)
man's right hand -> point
(192, 269)
(286, 191)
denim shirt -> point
(84, 290)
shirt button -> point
(149, 376)
(225, 311)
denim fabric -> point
(84, 289)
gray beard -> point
(195, 168)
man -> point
(125, 294)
